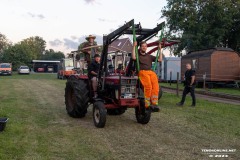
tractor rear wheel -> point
(76, 97)
(142, 114)
(99, 114)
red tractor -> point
(116, 91)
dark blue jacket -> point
(94, 66)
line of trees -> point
(201, 24)
(23, 52)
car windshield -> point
(5, 66)
(24, 67)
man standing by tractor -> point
(93, 69)
(189, 85)
(91, 50)
(148, 77)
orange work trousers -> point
(149, 81)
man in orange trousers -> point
(148, 77)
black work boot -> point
(179, 104)
(146, 110)
(193, 105)
(155, 108)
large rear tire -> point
(99, 114)
(76, 97)
(143, 115)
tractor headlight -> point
(133, 89)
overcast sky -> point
(63, 24)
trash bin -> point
(3, 122)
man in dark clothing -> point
(93, 69)
(189, 86)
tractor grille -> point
(128, 88)
(129, 82)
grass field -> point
(231, 91)
(39, 128)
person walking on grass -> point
(148, 77)
(189, 85)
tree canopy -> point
(36, 46)
(52, 55)
(17, 55)
(4, 43)
(23, 52)
(201, 24)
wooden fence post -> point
(204, 81)
(177, 84)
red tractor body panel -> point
(66, 73)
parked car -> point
(5, 69)
(40, 70)
(23, 70)
(50, 69)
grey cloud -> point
(30, 14)
(56, 42)
(106, 20)
(81, 39)
(111, 30)
(90, 1)
(40, 16)
(70, 44)
(99, 39)
(73, 37)
(73, 42)
(101, 19)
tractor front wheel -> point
(142, 114)
(99, 114)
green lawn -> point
(33, 75)
(232, 91)
(39, 128)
